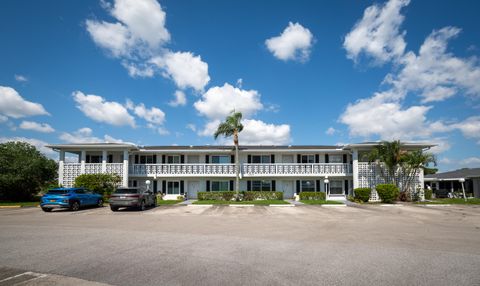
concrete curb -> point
(391, 205)
(284, 205)
(235, 205)
(435, 205)
(10, 207)
(333, 206)
(192, 205)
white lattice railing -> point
(182, 169)
(371, 174)
(93, 168)
(287, 169)
(115, 168)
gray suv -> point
(137, 197)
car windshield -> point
(126, 191)
(56, 192)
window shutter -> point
(249, 185)
(299, 158)
(208, 185)
(326, 158)
(182, 188)
(249, 159)
(346, 187)
(87, 159)
(231, 185)
(344, 158)
(182, 159)
(317, 158)
(273, 185)
(272, 158)
(134, 183)
(317, 189)
(207, 159)
(136, 159)
(232, 159)
(298, 187)
(110, 158)
(155, 186)
(164, 187)
(154, 159)
(163, 159)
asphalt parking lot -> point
(221, 245)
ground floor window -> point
(173, 188)
(263, 185)
(336, 187)
(308, 186)
(220, 186)
(132, 183)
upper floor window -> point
(147, 159)
(337, 158)
(307, 159)
(261, 159)
(173, 159)
(221, 159)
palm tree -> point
(391, 155)
(232, 126)
(412, 162)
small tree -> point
(103, 184)
(24, 171)
(232, 126)
(390, 155)
(412, 163)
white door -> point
(193, 189)
(287, 189)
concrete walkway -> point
(294, 202)
(187, 202)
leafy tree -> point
(412, 162)
(429, 171)
(103, 184)
(24, 171)
(232, 126)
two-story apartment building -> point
(187, 170)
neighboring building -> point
(443, 183)
(187, 170)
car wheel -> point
(114, 209)
(142, 206)
(75, 206)
(100, 203)
(47, 210)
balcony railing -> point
(193, 170)
(296, 169)
(248, 170)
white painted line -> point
(284, 205)
(326, 205)
(391, 205)
(436, 205)
(36, 276)
(238, 205)
(199, 205)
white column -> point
(83, 157)
(356, 183)
(422, 184)
(125, 168)
(61, 162)
(104, 161)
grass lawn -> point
(456, 201)
(257, 202)
(22, 204)
(320, 202)
(168, 202)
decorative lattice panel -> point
(93, 168)
(371, 174)
(115, 168)
(70, 172)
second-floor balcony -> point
(247, 170)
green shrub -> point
(103, 184)
(428, 194)
(315, 196)
(362, 194)
(217, 196)
(387, 192)
(255, 195)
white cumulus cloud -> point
(180, 99)
(15, 106)
(39, 144)
(85, 135)
(377, 34)
(35, 126)
(98, 109)
(257, 132)
(294, 43)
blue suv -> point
(69, 198)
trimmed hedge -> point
(216, 196)
(103, 184)
(362, 194)
(428, 194)
(387, 192)
(254, 195)
(244, 196)
(313, 196)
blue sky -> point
(302, 72)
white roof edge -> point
(93, 145)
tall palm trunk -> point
(237, 164)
